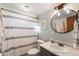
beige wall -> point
(48, 33)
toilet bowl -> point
(35, 51)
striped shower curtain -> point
(19, 35)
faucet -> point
(61, 44)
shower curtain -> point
(19, 35)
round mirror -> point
(63, 21)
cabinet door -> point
(44, 52)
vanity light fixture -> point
(57, 8)
(66, 8)
(68, 11)
(57, 12)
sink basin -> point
(60, 49)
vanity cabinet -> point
(45, 52)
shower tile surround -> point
(19, 35)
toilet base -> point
(34, 52)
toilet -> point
(35, 51)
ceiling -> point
(36, 8)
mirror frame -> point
(67, 31)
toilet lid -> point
(33, 51)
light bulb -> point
(65, 7)
(67, 11)
(58, 13)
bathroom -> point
(39, 29)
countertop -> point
(70, 50)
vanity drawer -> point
(44, 52)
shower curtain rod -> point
(17, 13)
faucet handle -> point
(60, 44)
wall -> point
(1, 35)
(19, 35)
(48, 34)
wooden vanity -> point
(48, 49)
(45, 52)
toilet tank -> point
(39, 42)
